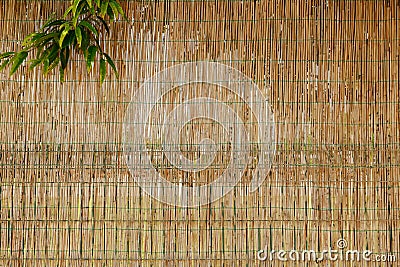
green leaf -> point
(4, 64)
(89, 27)
(34, 63)
(85, 40)
(52, 43)
(41, 40)
(75, 6)
(102, 70)
(103, 8)
(31, 38)
(64, 25)
(90, 56)
(78, 34)
(53, 55)
(68, 11)
(114, 10)
(117, 6)
(50, 20)
(70, 39)
(46, 53)
(110, 13)
(45, 38)
(6, 55)
(52, 23)
(17, 61)
(64, 57)
(78, 13)
(104, 23)
(61, 75)
(53, 65)
(111, 63)
(75, 20)
(46, 65)
(64, 34)
(67, 55)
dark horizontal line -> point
(248, 207)
(162, 124)
(139, 220)
(59, 144)
(272, 18)
(310, 81)
(381, 184)
(234, 40)
(281, 102)
(214, 229)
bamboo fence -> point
(330, 70)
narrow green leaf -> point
(54, 52)
(17, 61)
(102, 70)
(114, 9)
(34, 63)
(45, 54)
(64, 25)
(70, 39)
(31, 38)
(97, 3)
(104, 23)
(85, 40)
(75, 20)
(103, 9)
(75, 6)
(46, 65)
(4, 64)
(78, 34)
(68, 11)
(118, 7)
(89, 27)
(61, 74)
(78, 12)
(6, 55)
(90, 56)
(53, 23)
(64, 34)
(64, 57)
(42, 41)
(110, 13)
(42, 55)
(88, 4)
(111, 63)
(46, 24)
(53, 65)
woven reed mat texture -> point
(330, 72)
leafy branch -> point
(79, 29)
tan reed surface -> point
(330, 70)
